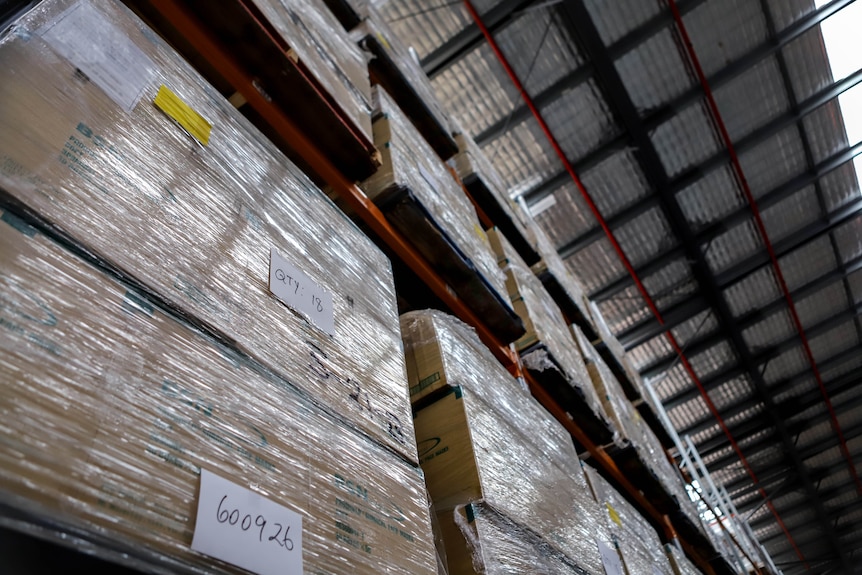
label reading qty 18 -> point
(298, 291)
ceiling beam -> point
(775, 474)
(838, 385)
(649, 328)
(470, 37)
(577, 18)
(690, 96)
(747, 501)
(763, 356)
(826, 496)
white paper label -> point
(86, 38)
(245, 529)
(297, 290)
(610, 559)
(429, 179)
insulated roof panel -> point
(522, 156)
(732, 246)
(671, 283)
(614, 19)
(475, 90)
(425, 29)
(840, 186)
(685, 140)
(752, 292)
(848, 238)
(807, 65)
(645, 236)
(731, 392)
(623, 310)
(810, 260)
(710, 198)
(565, 216)
(713, 360)
(836, 339)
(786, 12)
(539, 49)
(596, 265)
(825, 130)
(773, 162)
(698, 325)
(724, 30)
(615, 183)
(688, 413)
(581, 118)
(769, 331)
(822, 304)
(647, 352)
(654, 72)
(752, 99)
(674, 380)
(791, 214)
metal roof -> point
(621, 94)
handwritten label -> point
(245, 529)
(94, 45)
(429, 179)
(610, 559)
(298, 291)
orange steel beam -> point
(221, 58)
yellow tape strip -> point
(614, 515)
(185, 116)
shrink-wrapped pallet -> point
(112, 409)
(486, 439)
(116, 143)
(548, 348)
(317, 40)
(421, 198)
(679, 562)
(489, 191)
(639, 545)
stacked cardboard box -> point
(548, 349)
(485, 439)
(113, 146)
(420, 197)
(195, 224)
(318, 40)
(112, 408)
(639, 545)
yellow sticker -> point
(481, 233)
(614, 515)
(183, 114)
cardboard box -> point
(195, 224)
(480, 541)
(110, 409)
(487, 440)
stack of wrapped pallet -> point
(638, 543)
(679, 562)
(498, 467)
(548, 349)
(177, 300)
(421, 198)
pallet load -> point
(483, 440)
(393, 68)
(563, 287)
(115, 415)
(110, 140)
(488, 190)
(419, 196)
(639, 545)
(548, 349)
(641, 454)
(317, 39)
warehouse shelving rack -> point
(237, 50)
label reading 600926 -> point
(245, 529)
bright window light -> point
(841, 38)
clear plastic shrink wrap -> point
(192, 223)
(486, 439)
(640, 547)
(376, 27)
(483, 542)
(472, 161)
(634, 428)
(551, 263)
(680, 563)
(110, 409)
(545, 325)
(319, 41)
(410, 163)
